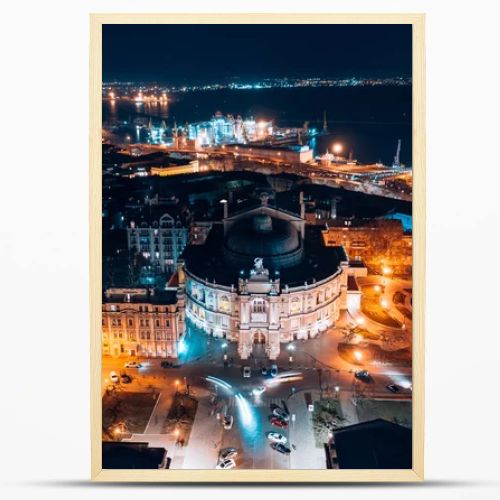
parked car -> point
(257, 391)
(169, 364)
(114, 377)
(226, 464)
(281, 448)
(280, 413)
(393, 388)
(132, 364)
(125, 378)
(276, 437)
(274, 370)
(228, 453)
(247, 372)
(228, 422)
(278, 422)
(362, 374)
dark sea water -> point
(367, 120)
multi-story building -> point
(379, 243)
(142, 322)
(262, 277)
(161, 241)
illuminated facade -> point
(379, 243)
(141, 322)
(161, 241)
(225, 129)
(263, 277)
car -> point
(125, 378)
(226, 464)
(247, 372)
(115, 378)
(228, 453)
(362, 374)
(276, 437)
(169, 364)
(274, 370)
(393, 388)
(132, 364)
(263, 371)
(280, 413)
(278, 422)
(257, 391)
(281, 448)
(227, 422)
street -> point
(201, 371)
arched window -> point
(295, 305)
(224, 303)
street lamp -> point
(176, 386)
(358, 356)
(337, 148)
(337, 389)
(384, 303)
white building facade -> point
(262, 305)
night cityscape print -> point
(256, 246)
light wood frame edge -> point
(419, 253)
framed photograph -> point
(257, 243)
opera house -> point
(264, 277)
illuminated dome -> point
(275, 240)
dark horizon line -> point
(229, 80)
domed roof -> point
(276, 240)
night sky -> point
(217, 53)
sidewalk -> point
(306, 455)
(205, 439)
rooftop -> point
(319, 262)
(139, 295)
(120, 455)
(377, 444)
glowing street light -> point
(360, 320)
(291, 347)
(384, 303)
(377, 288)
(337, 148)
(386, 270)
(358, 356)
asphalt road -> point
(251, 414)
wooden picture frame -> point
(419, 248)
